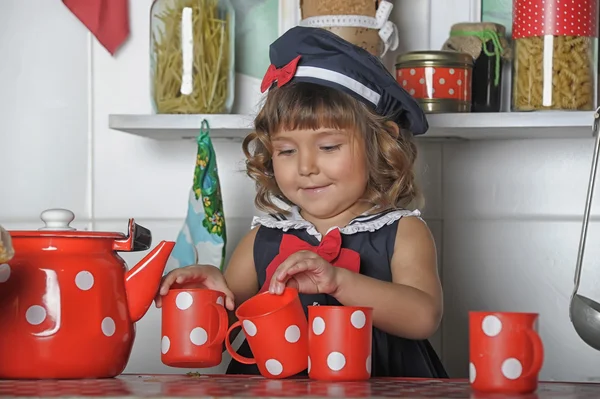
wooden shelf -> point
(466, 126)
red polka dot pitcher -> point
(276, 330)
(506, 353)
(194, 323)
(68, 303)
(339, 343)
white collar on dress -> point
(362, 223)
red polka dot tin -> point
(506, 353)
(67, 302)
(555, 17)
(439, 80)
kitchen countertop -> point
(222, 386)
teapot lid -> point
(57, 224)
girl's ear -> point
(394, 126)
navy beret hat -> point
(315, 55)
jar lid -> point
(479, 26)
(435, 57)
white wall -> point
(505, 215)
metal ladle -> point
(584, 312)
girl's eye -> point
(285, 152)
(329, 148)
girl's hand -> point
(307, 272)
(196, 276)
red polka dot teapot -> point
(68, 302)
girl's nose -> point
(307, 164)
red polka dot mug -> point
(194, 324)
(276, 329)
(506, 353)
(339, 343)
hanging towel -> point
(108, 20)
(202, 239)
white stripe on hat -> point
(341, 79)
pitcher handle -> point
(233, 353)
(538, 354)
(223, 323)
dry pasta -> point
(6, 250)
(572, 74)
(211, 56)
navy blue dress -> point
(373, 237)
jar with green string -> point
(486, 42)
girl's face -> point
(321, 171)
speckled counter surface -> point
(219, 386)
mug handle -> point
(223, 323)
(234, 354)
(538, 353)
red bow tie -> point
(281, 75)
(329, 249)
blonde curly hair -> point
(390, 152)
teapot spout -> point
(142, 281)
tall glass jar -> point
(556, 55)
(192, 56)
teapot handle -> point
(139, 238)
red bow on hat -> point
(281, 75)
(329, 249)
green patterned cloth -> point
(203, 237)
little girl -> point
(332, 157)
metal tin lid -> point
(435, 58)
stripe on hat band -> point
(341, 79)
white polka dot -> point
(35, 315)
(274, 367)
(108, 326)
(318, 325)
(512, 368)
(220, 301)
(459, 82)
(442, 81)
(451, 71)
(308, 364)
(292, 334)
(472, 373)
(491, 326)
(184, 300)
(422, 81)
(404, 83)
(84, 280)
(368, 364)
(451, 91)
(412, 71)
(412, 92)
(198, 336)
(336, 361)
(249, 328)
(4, 272)
(165, 344)
(358, 319)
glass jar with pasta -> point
(192, 49)
(555, 63)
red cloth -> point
(329, 249)
(108, 20)
(281, 75)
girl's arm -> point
(240, 273)
(412, 305)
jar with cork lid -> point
(555, 63)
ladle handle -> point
(588, 201)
